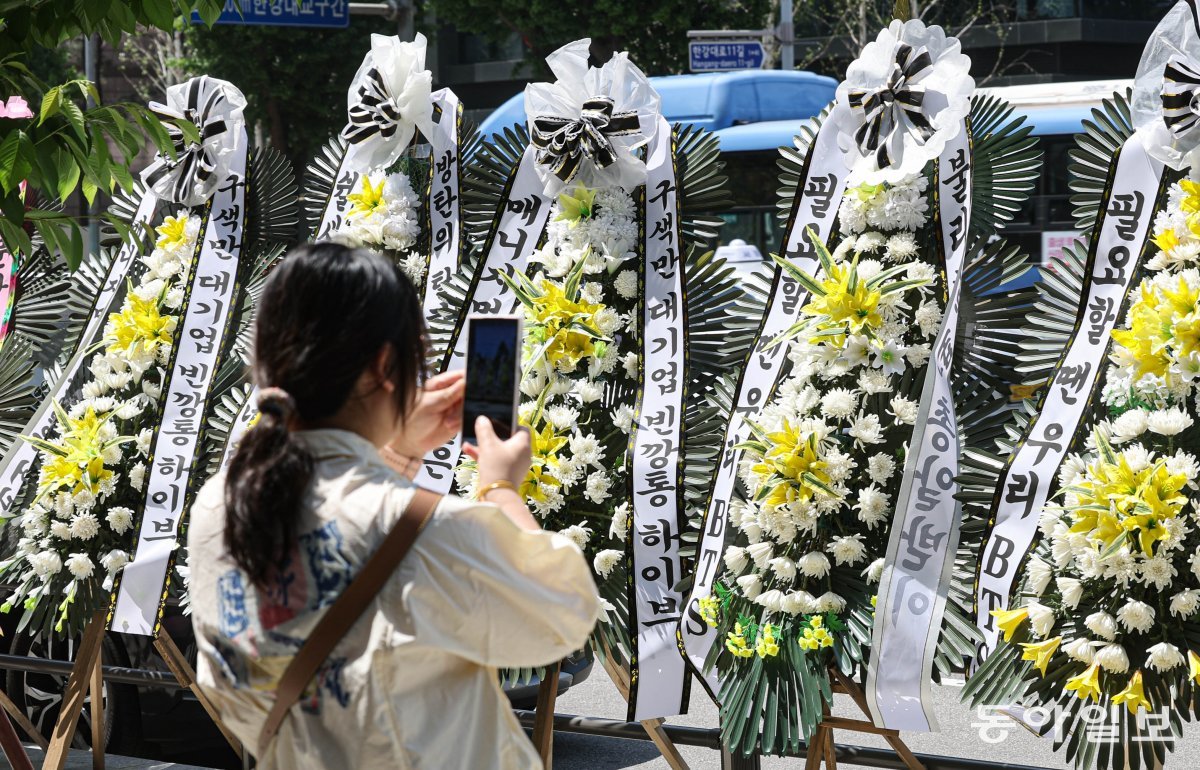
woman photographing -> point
(310, 495)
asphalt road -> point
(958, 737)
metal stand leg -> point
(738, 762)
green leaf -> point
(74, 116)
(68, 175)
(51, 103)
(8, 160)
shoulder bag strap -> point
(344, 612)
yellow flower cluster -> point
(544, 447)
(75, 463)
(768, 643)
(815, 636)
(796, 464)
(1164, 330)
(557, 322)
(709, 609)
(139, 327)
(848, 303)
(1170, 238)
(735, 642)
(1114, 502)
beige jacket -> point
(414, 682)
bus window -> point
(754, 183)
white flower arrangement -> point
(1119, 550)
(823, 467)
(383, 217)
(579, 304)
(76, 534)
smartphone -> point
(493, 373)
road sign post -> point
(725, 55)
(286, 13)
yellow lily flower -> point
(1040, 653)
(172, 233)
(1166, 240)
(1010, 620)
(1086, 685)
(576, 205)
(365, 202)
(139, 324)
(1194, 667)
(1133, 696)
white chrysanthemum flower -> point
(813, 564)
(632, 364)
(61, 530)
(1071, 590)
(874, 381)
(771, 600)
(1164, 656)
(1130, 425)
(1112, 657)
(904, 410)
(866, 430)
(1158, 571)
(1081, 650)
(1185, 603)
(830, 602)
(622, 418)
(928, 318)
(619, 528)
(562, 417)
(735, 558)
(46, 564)
(137, 476)
(901, 247)
(839, 403)
(798, 603)
(872, 506)
(114, 561)
(80, 565)
(586, 449)
(1041, 618)
(847, 550)
(874, 571)
(760, 554)
(577, 534)
(84, 527)
(750, 585)
(626, 284)
(783, 567)
(1039, 573)
(1101, 624)
(606, 560)
(1136, 616)
(880, 468)
(1169, 422)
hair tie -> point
(276, 401)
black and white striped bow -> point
(374, 112)
(895, 107)
(189, 177)
(1181, 96)
(562, 143)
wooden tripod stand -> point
(87, 674)
(821, 747)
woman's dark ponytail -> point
(325, 314)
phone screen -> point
(493, 372)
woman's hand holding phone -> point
(503, 460)
(435, 418)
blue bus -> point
(756, 112)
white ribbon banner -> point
(1030, 475)
(916, 575)
(817, 199)
(22, 457)
(659, 671)
(515, 237)
(204, 328)
(443, 200)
